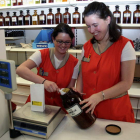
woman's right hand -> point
(51, 86)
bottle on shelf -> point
(37, 1)
(136, 15)
(67, 16)
(35, 18)
(30, 2)
(8, 2)
(19, 2)
(2, 3)
(76, 16)
(14, 19)
(70, 101)
(43, 1)
(42, 18)
(83, 19)
(28, 18)
(14, 2)
(117, 14)
(58, 16)
(64, 0)
(8, 20)
(127, 15)
(51, 1)
(58, 0)
(2, 21)
(50, 17)
(21, 18)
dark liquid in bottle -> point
(71, 101)
(14, 2)
(58, 16)
(127, 15)
(2, 20)
(28, 18)
(8, 20)
(42, 18)
(14, 19)
(21, 18)
(50, 17)
(117, 14)
(136, 15)
(76, 16)
(67, 17)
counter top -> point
(68, 130)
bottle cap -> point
(113, 129)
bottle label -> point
(14, 1)
(41, 17)
(76, 16)
(6, 19)
(19, 0)
(116, 15)
(14, 19)
(8, 1)
(34, 18)
(50, 17)
(57, 16)
(2, 2)
(1, 20)
(66, 16)
(127, 15)
(36, 0)
(75, 110)
(20, 18)
(27, 18)
(137, 15)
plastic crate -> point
(43, 40)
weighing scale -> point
(23, 120)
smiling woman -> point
(59, 68)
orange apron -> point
(101, 72)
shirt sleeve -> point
(36, 57)
(128, 52)
(76, 71)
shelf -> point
(14, 38)
(134, 91)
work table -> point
(68, 130)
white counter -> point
(68, 130)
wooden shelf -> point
(14, 38)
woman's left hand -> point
(92, 101)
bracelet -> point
(103, 95)
(43, 81)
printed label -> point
(76, 16)
(75, 110)
(20, 18)
(57, 16)
(116, 15)
(14, 1)
(27, 18)
(2, 2)
(50, 17)
(19, 0)
(1, 20)
(8, 1)
(14, 19)
(34, 18)
(66, 16)
(42, 17)
(6, 19)
(127, 15)
(137, 15)
(36, 103)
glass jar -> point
(19, 2)
(117, 14)
(14, 2)
(37, 1)
(8, 2)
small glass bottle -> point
(8, 2)
(8, 20)
(2, 21)
(70, 101)
(83, 19)
(58, 16)
(117, 14)
(2, 3)
(42, 18)
(35, 18)
(21, 18)
(67, 16)
(14, 19)
(28, 18)
(19, 2)
(136, 15)
(43, 1)
(64, 0)
(37, 1)
(14, 2)
(127, 15)
(50, 17)
(51, 1)
(76, 16)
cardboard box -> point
(43, 40)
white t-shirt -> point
(128, 52)
(36, 57)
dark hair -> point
(62, 28)
(103, 12)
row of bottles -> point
(127, 15)
(36, 19)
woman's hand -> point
(91, 102)
(78, 91)
(51, 86)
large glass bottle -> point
(2, 3)
(35, 18)
(58, 16)
(42, 18)
(8, 2)
(76, 16)
(8, 20)
(37, 1)
(19, 2)
(43, 1)
(67, 16)
(51, 1)
(14, 2)
(127, 15)
(136, 15)
(2, 21)
(21, 18)
(28, 18)
(117, 14)
(50, 17)
(70, 101)
(14, 19)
